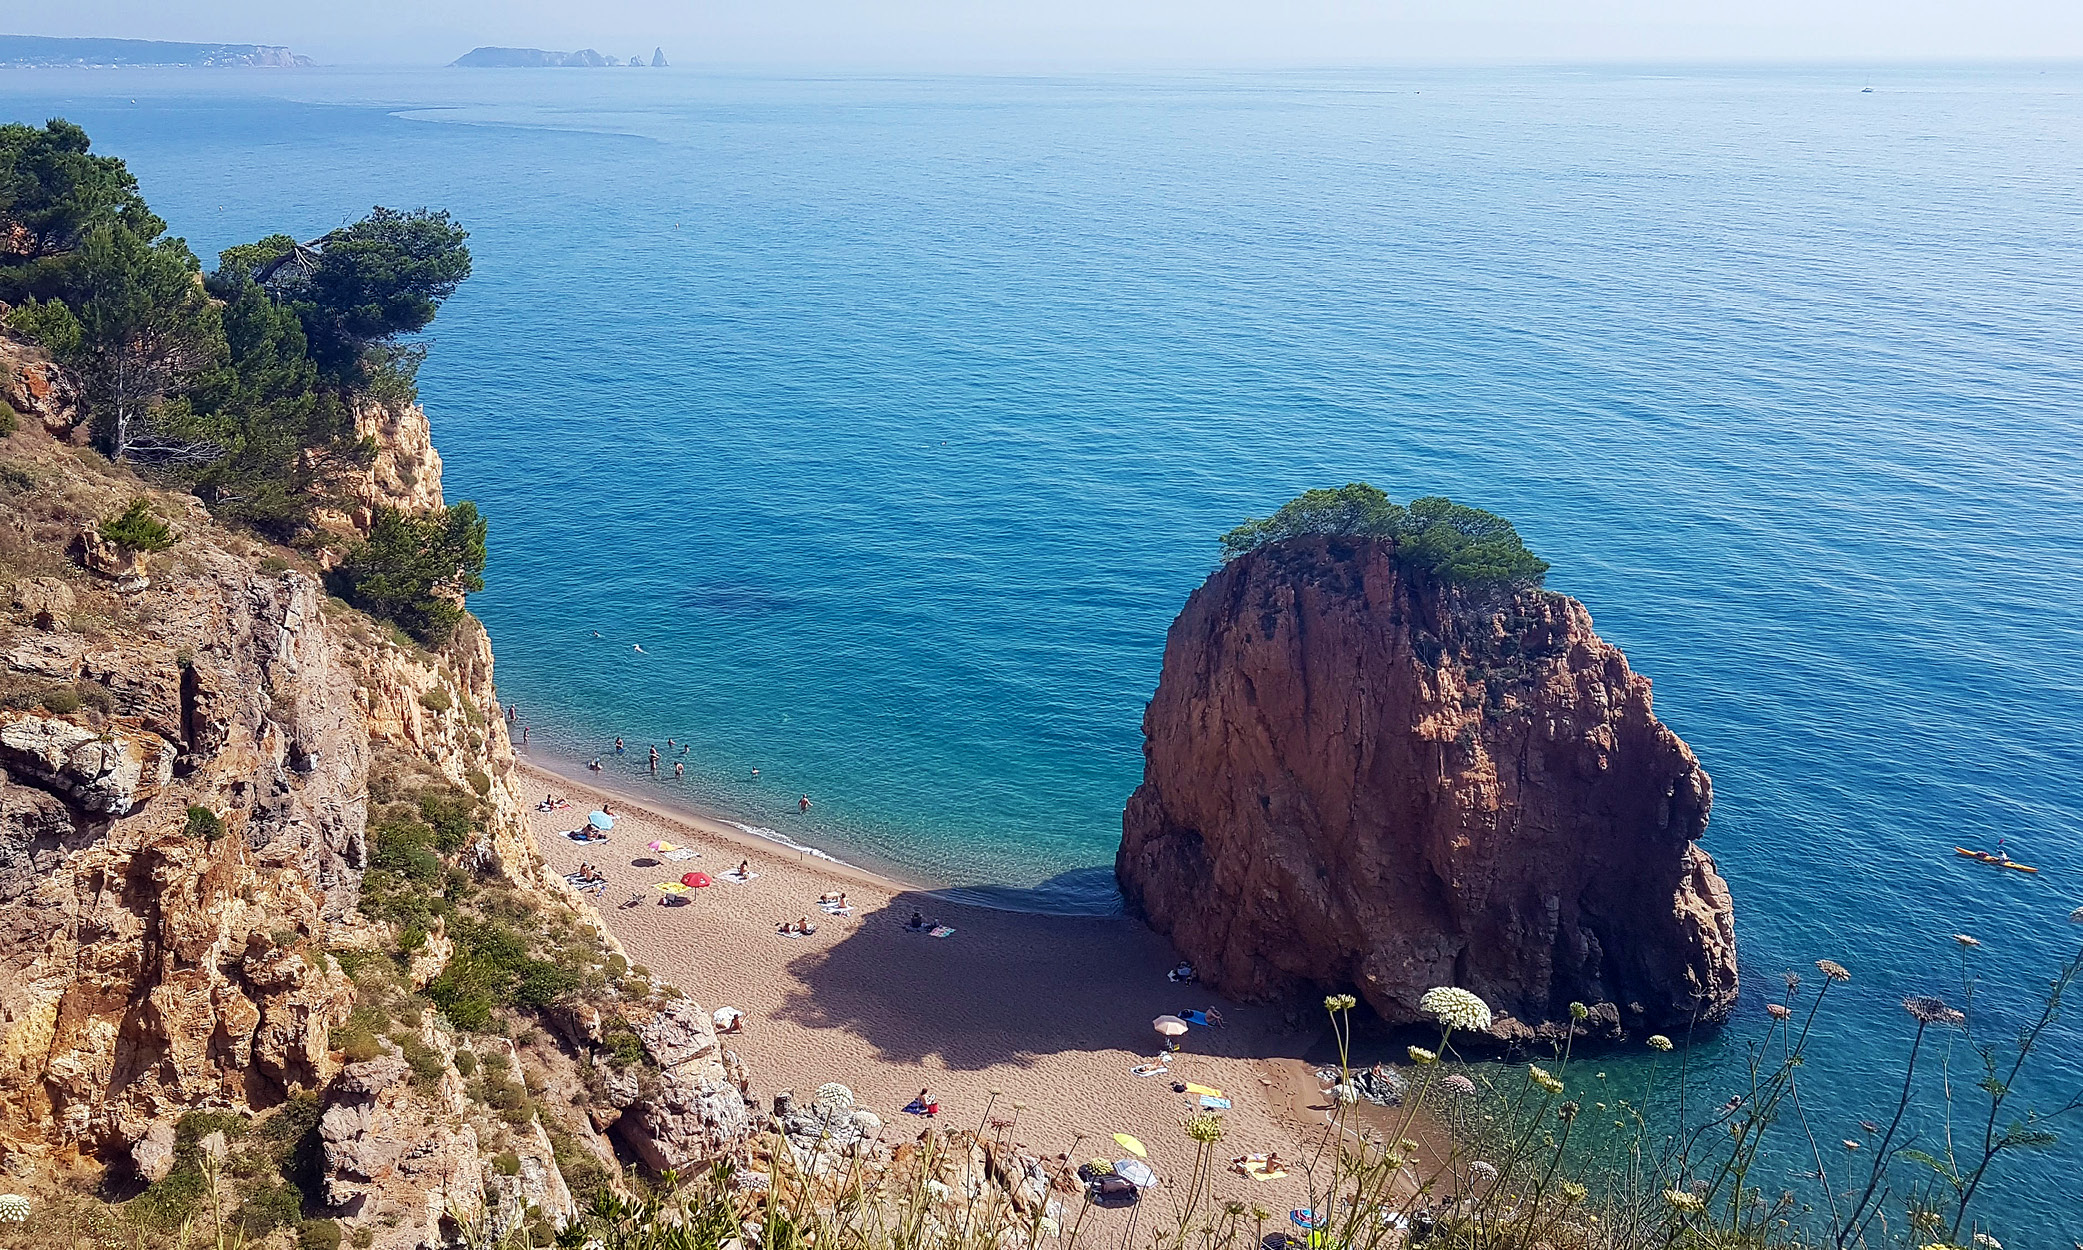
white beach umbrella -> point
(1170, 1026)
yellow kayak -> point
(1987, 858)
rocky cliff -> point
(200, 753)
(1356, 781)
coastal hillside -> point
(1380, 763)
(42, 52)
(264, 855)
(281, 948)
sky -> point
(1071, 34)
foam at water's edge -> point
(769, 835)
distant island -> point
(537, 58)
(40, 52)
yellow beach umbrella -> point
(1131, 1145)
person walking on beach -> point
(803, 805)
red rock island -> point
(1356, 778)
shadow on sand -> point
(1008, 987)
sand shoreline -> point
(1021, 1016)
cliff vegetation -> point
(265, 389)
(1448, 543)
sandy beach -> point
(1050, 1012)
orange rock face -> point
(1354, 781)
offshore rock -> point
(1353, 780)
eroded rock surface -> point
(1355, 781)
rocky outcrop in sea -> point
(1355, 780)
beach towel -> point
(1257, 1168)
(945, 930)
(1206, 1091)
(1149, 1069)
(1211, 1103)
(682, 854)
(834, 909)
(734, 876)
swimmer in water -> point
(638, 649)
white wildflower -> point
(1682, 1201)
(832, 1097)
(1418, 1054)
(1456, 1008)
(14, 1209)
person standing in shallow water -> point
(618, 746)
(679, 770)
(654, 761)
(803, 804)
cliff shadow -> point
(1009, 987)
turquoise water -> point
(895, 418)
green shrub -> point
(61, 701)
(452, 816)
(1450, 543)
(271, 1206)
(318, 1235)
(416, 570)
(479, 782)
(357, 1044)
(624, 1048)
(96, 696)
(8, 421)
(204, 823)
(466, 1062)
(436, 700)
(506, 1163)
(425, 1061)
(17, 477)
(137, 528)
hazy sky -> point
(1077, 33)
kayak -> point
(1987, 858)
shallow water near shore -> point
(895, 418)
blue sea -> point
(895, 417)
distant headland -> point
(537, 58)
(41, 52)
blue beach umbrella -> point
(601, 820)
(1306, 1219)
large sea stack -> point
(1358, 778)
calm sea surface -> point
(895, 418)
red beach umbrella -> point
(697, 880)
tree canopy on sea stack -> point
(1451, 543)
